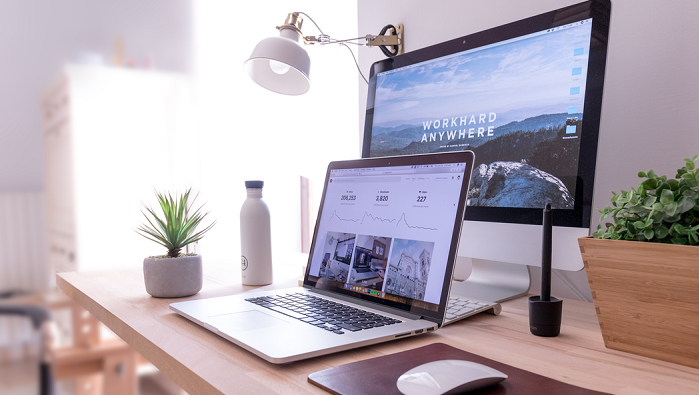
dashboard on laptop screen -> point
(386, 232)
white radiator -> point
(23, 264)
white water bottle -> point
(255, 237)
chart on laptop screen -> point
(387, 231)
(517, 104)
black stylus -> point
(545, 311)
(546, 256)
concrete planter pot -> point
(173, 277)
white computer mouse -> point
(447, 377)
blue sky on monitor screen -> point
(515, 80)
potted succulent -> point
(175, 274)
(643, 268)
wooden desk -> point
(204, 363)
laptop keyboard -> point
(323, 313)
(460, 307)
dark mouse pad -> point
(379, 375)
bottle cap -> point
(254, 184)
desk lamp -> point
(282, 65)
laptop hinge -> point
(435, 320)
(372, 305)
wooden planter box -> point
(646, 296)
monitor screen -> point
(524, 97)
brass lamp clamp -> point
(394, 39)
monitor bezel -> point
(599, 11)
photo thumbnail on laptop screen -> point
(386, 231)
(517, 104)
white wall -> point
(38, 36)
(651, 88)
(246, 132)
(250, 133)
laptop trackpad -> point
(244, 321)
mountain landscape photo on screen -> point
(517, 105)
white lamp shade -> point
(281, 65)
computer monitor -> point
(526, 97)
(362, 258)
(343, 251)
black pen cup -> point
(545, 316)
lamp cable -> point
(314, 22)
(355, 62)
(325, 39)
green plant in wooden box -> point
(660, 210)
(646, 295)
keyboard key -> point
(349, 327)
(287, 312)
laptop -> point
(380, 265)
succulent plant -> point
(660, 210)
(177, 228)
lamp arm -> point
(381, 41)
(394, 39)
(333, 41)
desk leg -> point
(120, 374)
(88, 384)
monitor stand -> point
(493, 281)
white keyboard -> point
(460, 307)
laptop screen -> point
(388, 229)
